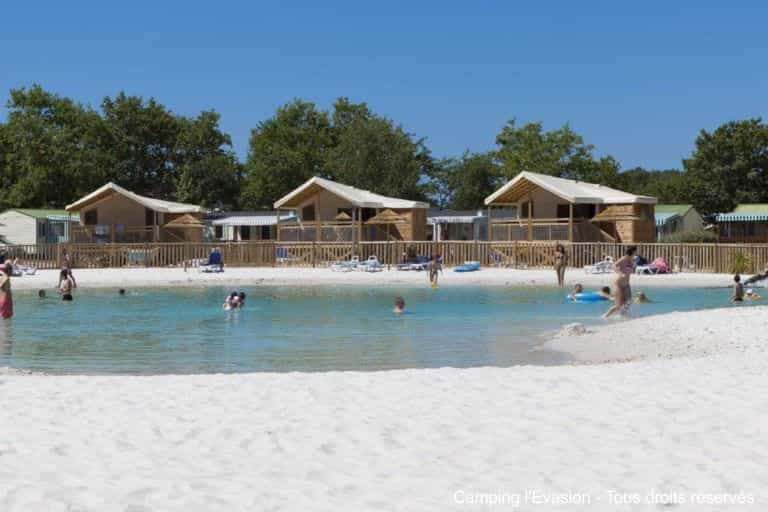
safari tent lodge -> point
(327, 211)
(558, 209)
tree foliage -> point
(729, 166)
(464, 183)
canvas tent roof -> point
(111, 189)
(358, 197)
(570, 190)
(43, 213)
(663, 218)
(679, 209)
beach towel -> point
(661, 265)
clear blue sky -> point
(637, 80)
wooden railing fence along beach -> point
(509, 254)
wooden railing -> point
(512, 254)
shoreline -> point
(287, 276)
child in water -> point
(399, 305)
(241, 299)
(577, 288)
(641, 298)
(231, 301)
(738, 290)
(605, 291)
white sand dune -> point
(140, 277)
(406, 440)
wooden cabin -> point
(747, 223)
(112, 214)
(332, 212)
(558, 209)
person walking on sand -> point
(6, 297)
(622, 291)
(561, 261)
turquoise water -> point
(301, 329)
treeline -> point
(54, 150)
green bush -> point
(689, 237)
(741, 263)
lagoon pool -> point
(150, 331)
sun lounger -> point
(372, 264)
(418, 263)
(346, 266)
(657, 266)
(601, 267)
(214, 263)
(283, 256)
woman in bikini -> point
(622, 291)
(561, 261)
(6, 297)
(66, 285)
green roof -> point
(679, 209)
(42, 213)
(751, 209)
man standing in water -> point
(6, 297)
(435, 267)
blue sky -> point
(637, 80)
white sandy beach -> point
(281, 276)
(415, 440)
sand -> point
(684, 421)
(250, 276)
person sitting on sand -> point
(605, 291)
(399, 305)
(738, 290)
(577, 288)
(66, 285)
(641, 298)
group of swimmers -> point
(605, 292)
(235, 300)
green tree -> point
(208, 172)
(285, 151)
(51, 150)
(373, 153)
(464, 183)
(668, 186)
(141, 141)
(729, 166)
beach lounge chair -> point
(214, 263)
(418, 263)
(346, 266)
(657, 266)
(601, 267)
(372, 264)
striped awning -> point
(741, 217)
(453, 219)
(663, 218)
(251, 220)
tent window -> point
(218, 232)
(149, 217)
(91, 217)
(308, 213)
(245, 232)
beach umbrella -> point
(387, 218)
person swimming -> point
(605, 291)
(399, 305)
(241, 299)
(121, 291)
(231, 301)
(738, 290)
(41, 294)
(642, 298)
(577, 288)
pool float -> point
(468, 266)
(586, 297)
